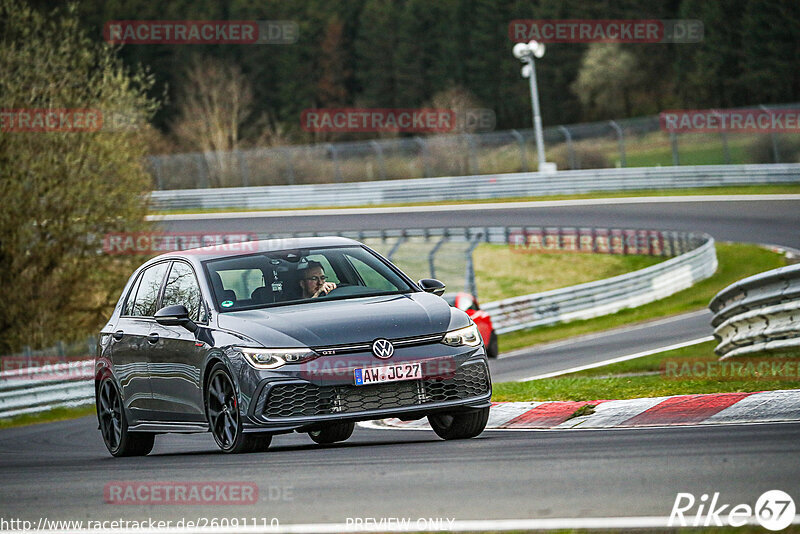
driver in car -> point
(313, 281)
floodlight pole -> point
(537, 116)
(527, 54)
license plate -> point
(388, 373)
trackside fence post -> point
(620, 142)
(469, 278)
(432, 254)
(522, 156)
(673, 139)
(570, 148)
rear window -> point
(242, 281)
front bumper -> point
(292, 403)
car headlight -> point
(463, 336)
(274, 358)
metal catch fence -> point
(621, 143)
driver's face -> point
(312, 281)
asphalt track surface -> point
(58, 470)
(749, 221)
(594, 348)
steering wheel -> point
(334, 290)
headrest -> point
(262, 295)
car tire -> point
(332, 433)
(492, 350)
(114, 425)
(260, 442)
(224, 419)
(459, 425)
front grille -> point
(306, 400)
(366, 346)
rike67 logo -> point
(774, 510)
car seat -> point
(290, 285)
(262, 295)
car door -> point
(133, 341)
(176, 364)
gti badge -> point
(382, 348)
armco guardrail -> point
(607, 296)
(486, 186)
(758, 313)
(31, 389)
(35, 389)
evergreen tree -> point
(771, 51)
(427, 52)
(709, 71)
(375, 48)
(385, 53)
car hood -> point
(339, 322)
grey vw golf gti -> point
(307, 335)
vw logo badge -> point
(382, 348)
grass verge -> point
(56, 414)
(502, 273)
(739, 190)
(736, 261)
(689, 370)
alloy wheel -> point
(223, 412)
(110, 415)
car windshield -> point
(300, 275)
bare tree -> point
(215, 101)
(451, 154)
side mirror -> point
(430, 285)
(175, 315)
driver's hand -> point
(326, 288)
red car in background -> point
(469, 304)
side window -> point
(147, 294)
(128, 309)
(370, 276)
(182, 288)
